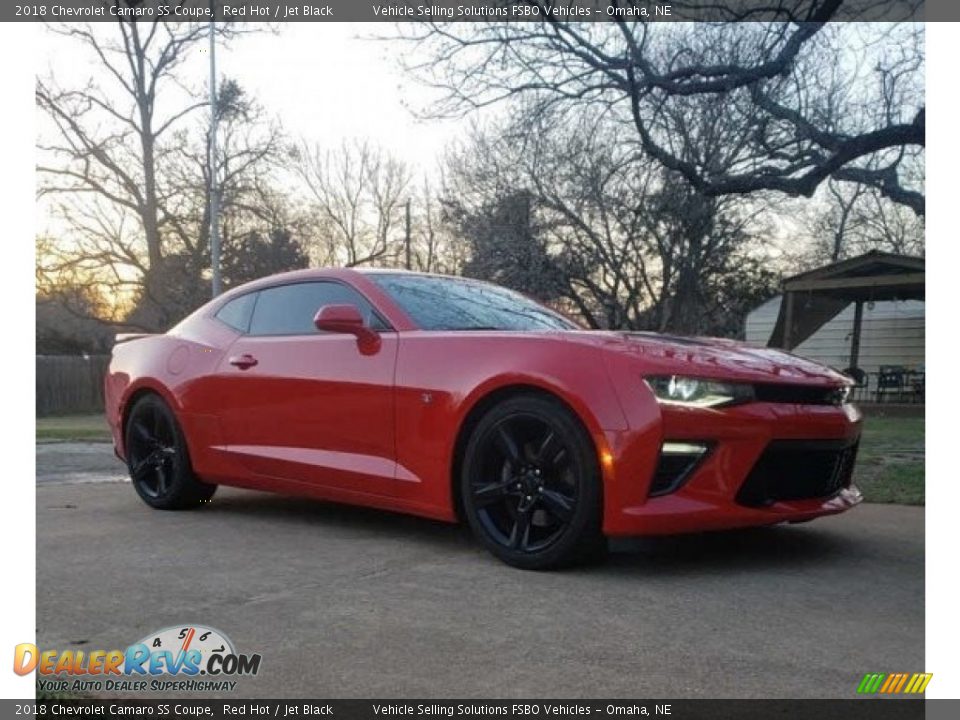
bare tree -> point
(249, 147)
(845, 204)
(436, 247)
(358, 191)
(563, 211)
(812, 100)
(887, 226)
(117, 163)
(71, 316)
(850, 219)
(126, 168)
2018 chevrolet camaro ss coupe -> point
(456, 399)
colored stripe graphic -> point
(894, 683)
(871, 682)
(901, 682)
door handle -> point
(244, 361)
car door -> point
(305, 405)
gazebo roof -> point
(872, 276)
(813, 298)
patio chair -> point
(918, 386)
(890, 380)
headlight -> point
(840, 396)
(695, 392)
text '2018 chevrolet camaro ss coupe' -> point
(459, 400)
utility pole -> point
(212, 160)
(407, 237)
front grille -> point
(799, 470)
(799, 394)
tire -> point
(530, 485)
(158, 460)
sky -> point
(325, 82)
(331, 82)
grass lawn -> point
(72, 427)
(890, 461)
(889, 466)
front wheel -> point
(530, 485)
(158, 460)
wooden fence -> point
(70, 384)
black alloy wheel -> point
(157, 458)
(531, 485)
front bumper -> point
(710, 497)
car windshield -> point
(448, 303)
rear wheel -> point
(530, 485)
(158, 460)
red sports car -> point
(457, 399)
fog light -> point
(677, 462)
(683, 448)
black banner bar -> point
(469, 10)
(854, 709)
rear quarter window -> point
(237, 312)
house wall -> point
(893, 334)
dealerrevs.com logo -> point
(177, 658)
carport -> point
(813, 298)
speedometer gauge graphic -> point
(183, 638)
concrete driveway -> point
(346, 602)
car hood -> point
(714, 358)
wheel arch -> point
(133, 395)
(483, 400)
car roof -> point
(412, 273)
(354, 277)
(336, 272)
(358, 278)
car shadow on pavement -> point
(759, 549)
(748, 549)
(332, 515)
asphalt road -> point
(347, 602)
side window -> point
(290, 309)
(236, 313)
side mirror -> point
(347, 319)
